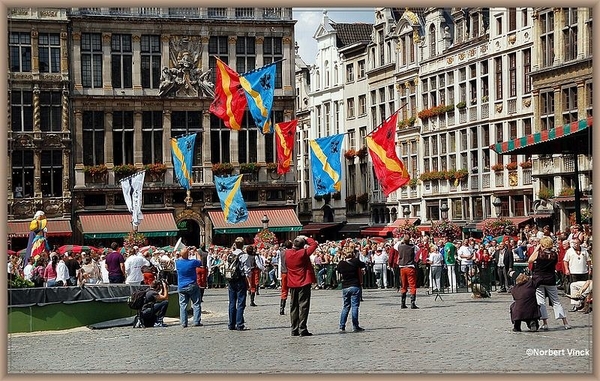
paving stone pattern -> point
(454, 335)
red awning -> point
(313, 228)
(280, 220)
(55, 228)
(516, 220)
(378, 231)
(402, 221)
(117, 225)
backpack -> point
(137, 300)
(232, 268)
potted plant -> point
(412, 182)
(461, 105)
(125, 169)
(446, 228)
(350, 154)
(449, 175)
(337, 196)
(567, 192)
(362, 198)
(545, 193)
(461, 174)
(220, 169)
(499, 226)
(497, 167)
(525, 164)
(511, 166)
(156, 168)
(362, 153)
(249, 167)
(271, 167)
(96, 171)
(351, 199)
(406, 227)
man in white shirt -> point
(62, 272)
(466, 261)
(380, 260)
(133, 268)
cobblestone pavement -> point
(454, 335)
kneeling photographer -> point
(156, 303)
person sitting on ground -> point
(155, 304)
(524, 307)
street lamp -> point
(406, 212)
(444, 209)
(265, 222)
(498, 205)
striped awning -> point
(280, 220)
(575, 137)
(117, 225)
(20, 229)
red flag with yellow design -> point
(389, 169)
(230, 101)
(285, 134)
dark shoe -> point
(199, 325)
(358, 329)
(516, 329)
(242, 328)
(252, 304)
(231, 328)
(534, 326)
(342, 330)
(305, 333)
(413, 306)
(295, 333)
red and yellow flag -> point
(285, 134)
(230, 101)
(389, 169)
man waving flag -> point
(232, 202)
(389, 169)
(230, 100)
(326, 164)
(259, 86)
(183, 158)
(285, 134)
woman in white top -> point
(436, 262)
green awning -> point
(256, 230)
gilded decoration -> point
(513, 179)
(499, 108)
(461, 56)
(450, 60)
(527, 102)
(484, 49)
(185, 77)
(189, 214)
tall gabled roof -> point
(349, 34)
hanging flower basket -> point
(249, 167)
(134, 239)
(362, 198)
(567, 192)
(545, 193)
(350, 154)
(511, 166)
(405, 228)
(497, 167)
(96, 170)
(446, 228)
(461, 174)
(498, 227)
(362, 153)
(265, 239)
(156, 168)
(525, 164)
(271, 167)
(351, 199)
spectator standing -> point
(115, 265)
(103, 270)
(349, 270)
(576, 262)
(465, 255)
(90, 272)
(188, 288)
(436, 263)
(74, 269)
(544, 260)
(300, 278)
(380, 260)
(133, 267)
(408, 272)
(450, 260)
(62, 272)
(504, 260)
(50, 270)
(238, 287)
(283, 270)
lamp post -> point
(444, 209)
(265, 222)
(498, 205)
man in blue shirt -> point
(187, 287)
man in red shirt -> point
(300, 277)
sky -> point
(308, 20)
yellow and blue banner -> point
(229, 189)
(183, 157)
(259, 87)
(326, 164)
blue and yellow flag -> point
(259, 87)
(232, 202)
(183, 157)
(326, 164)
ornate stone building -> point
(141, 76)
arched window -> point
(432, 41)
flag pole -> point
(388, 118)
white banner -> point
(132, 192)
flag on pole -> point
(389, 169)
(132, 192)
(183, 157)
(230, 100)
(326, 164)
(232, 202)
(259, 87)
(285, 134)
